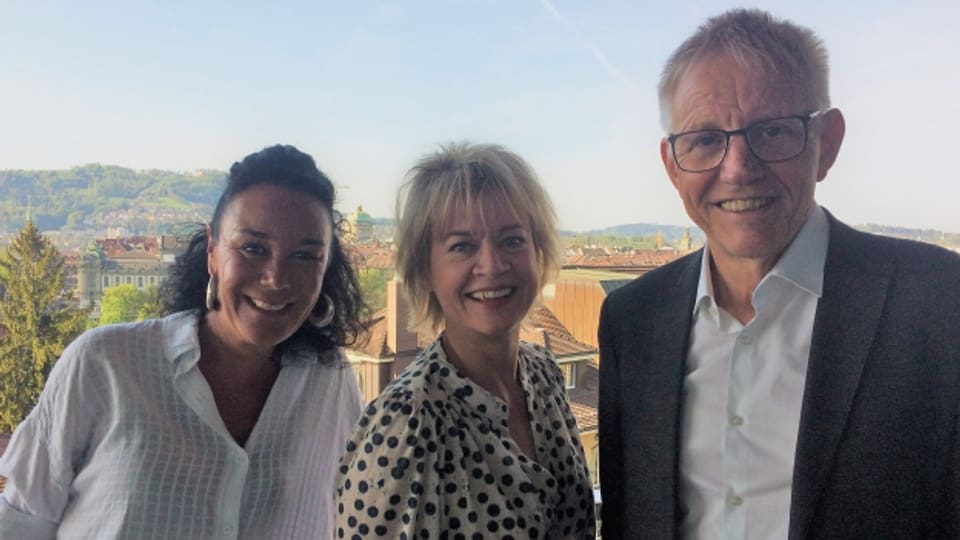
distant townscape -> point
(108, 201)
(119, 228)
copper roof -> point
(545, 329)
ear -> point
(666, 156)
(832, 128)
(211, 243)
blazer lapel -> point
(663, 393)
(854, 290)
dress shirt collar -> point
(801, 264)
(181, 340)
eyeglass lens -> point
(771, 140)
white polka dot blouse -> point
(432, 457)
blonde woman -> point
(476, 437)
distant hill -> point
(930, 236)
(99, 197)
(671, 233)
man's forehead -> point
(716, 86)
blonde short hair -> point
(756, 39)
(451, 179)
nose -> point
(274, 275)
(490, 260)
(739, 165)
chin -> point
(264, 338)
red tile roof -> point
(545, 329)
(130, 247)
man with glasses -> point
(795, 378)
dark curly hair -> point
(289, 168)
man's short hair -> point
(755, 39)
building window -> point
(129, 280)
(569, 371)
(153, 280)
(106, 281)
(139, 282)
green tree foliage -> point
(152, 306)
(373, 286)
(122, 304)
(39, 318)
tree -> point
(373, 287)
(152, 306)
(122, 304)
(39, 318)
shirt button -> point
(736, 421)
(733, 500)
(228, 529)
(746, 339)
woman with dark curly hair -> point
(224, 419)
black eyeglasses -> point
(777, 139)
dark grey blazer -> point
(877, 452)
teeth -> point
(267, 307)
(490, 295)
(741, 205)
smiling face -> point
(749, 210)
(484, 271)
(269, 262)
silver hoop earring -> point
(321, 321)
(212, 303)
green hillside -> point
(96, 195)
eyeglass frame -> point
(805, 118)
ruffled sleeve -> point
(388, 481)
(49, 446)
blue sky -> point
(367, 87)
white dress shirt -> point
(127, 442)
(743, 392)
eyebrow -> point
(308, 241)
(712, 125)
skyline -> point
(367, 88)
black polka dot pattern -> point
(432, 457)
